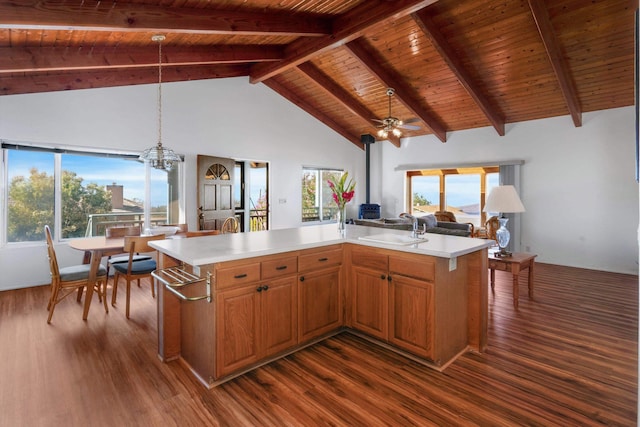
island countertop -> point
(228, 247)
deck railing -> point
(313, 214)
(97, 223)
(258, 220)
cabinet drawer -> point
(237, 275)
(419, 268)
(320, 259)
(279, 267)
(369, 259)
(499, 265)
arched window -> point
(217, 171)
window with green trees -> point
(317, 203)
(67, 190)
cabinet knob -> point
(265, 288)
(302, 278)
(382, 276)
(389, 278)
(259, 289)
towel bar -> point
(175, 278)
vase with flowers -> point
(343, 190)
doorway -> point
(215, 191)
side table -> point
(517, 262)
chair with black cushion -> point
(230, 225)
(66, 280)
(119, 232)
(135, 269)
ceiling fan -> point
(392, 124)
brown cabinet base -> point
(325, 307)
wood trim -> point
(346, 28)
(560, 67)
(403, 92)
(131, 17)
(424, 21)
(295, 99)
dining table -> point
(94, 249)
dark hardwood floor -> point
(567, 358)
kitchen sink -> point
(393, 239)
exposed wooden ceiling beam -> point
(559, 65)
(295, 99)
(403, 91)
(340, 95)
(395, 140)
(14, 60)
(49, 82)
(345, 28)
(118, 16)
(424, 21)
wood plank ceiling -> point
(453, 64)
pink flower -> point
(342, 191)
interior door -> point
(215, 191)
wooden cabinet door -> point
(320, 303)
(411, 315)
(237, 330)
(279, 316)
(369, 301)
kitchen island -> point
(233, 302)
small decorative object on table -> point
(343, 191)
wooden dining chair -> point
(230, 225)
(135, 269)
(66, 280)
(119, 232)
(202, 233)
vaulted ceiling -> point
(453, 64)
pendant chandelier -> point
(158, 156)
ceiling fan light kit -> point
(390, 124)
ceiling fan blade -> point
(409, 127)
(412, 120)
(378, 120)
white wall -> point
(227, 118)
(577, 184)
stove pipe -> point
(367, 140)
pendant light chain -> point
(159, 39)
(158, 156)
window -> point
(81, 193)
(458, 190)
(317, 203)
(31, 199)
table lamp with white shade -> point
(503, 199)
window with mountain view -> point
(461, 191)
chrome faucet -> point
(415, 232)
